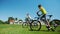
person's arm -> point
(38, 13)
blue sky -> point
(19, 8)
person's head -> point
(39, 6)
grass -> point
(17, 29)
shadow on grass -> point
(58, 31)
(46, 30)
(40, 30)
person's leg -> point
(47, 24)
(44, 19)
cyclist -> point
(44, 12)
(28, 18)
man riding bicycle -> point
(44, 12)
(28, 18)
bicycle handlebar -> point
(38, 13)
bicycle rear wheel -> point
(54, 23)
(35, 25)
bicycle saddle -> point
(50, 15)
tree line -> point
(9, 18)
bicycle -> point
(28, 23)
(34, 24)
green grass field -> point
(17, 29)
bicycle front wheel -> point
(35, 25)
(24, 25)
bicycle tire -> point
(24, 25)
(54, 23)
(34, 26)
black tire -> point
(36, 26)
(54, 23)
(24, 25)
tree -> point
(6, 22)
(1, 22)
(16, 18)
(10, 18)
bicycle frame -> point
(42, 20)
